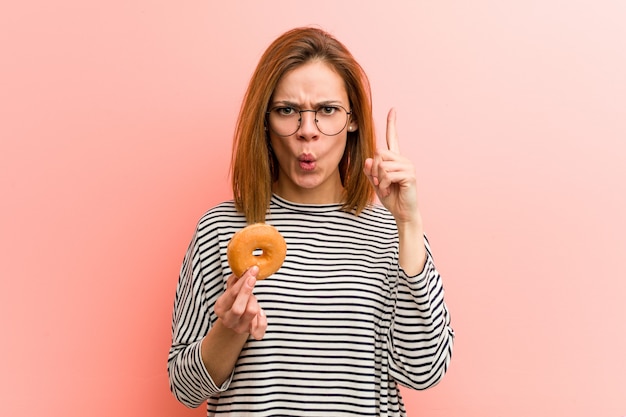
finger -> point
(388, 178)
(259, 325)
(392, 134)
(241, 304)
(388, 172)
(368, 169)
(225, 301)
(233, 286)
(246, 321)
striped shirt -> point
(346, 324)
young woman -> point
(358, 305)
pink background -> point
(115, 135)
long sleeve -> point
(420, 337)
(189, 380)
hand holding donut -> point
(238, 307)
(393, 177)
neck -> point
(320, 195)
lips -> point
(306, 162)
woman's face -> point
(308, 159)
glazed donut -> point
(257, 236)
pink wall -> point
(115, 135)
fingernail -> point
(251, 281)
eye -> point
(285, 111)
(328, 110)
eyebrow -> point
(298, 106)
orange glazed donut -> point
(257, 236)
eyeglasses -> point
(330, 120)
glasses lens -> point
(330, 120)
(284, 121)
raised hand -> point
(393, 177)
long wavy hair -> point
(254, 167)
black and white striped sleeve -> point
(190, 382)
(420, 337)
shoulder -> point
(223, 210)
(377, 214)
(374, 221)
(220, 219)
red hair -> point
(253, 166)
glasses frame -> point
(348, 114)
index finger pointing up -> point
(392, 135)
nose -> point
(308, 125)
